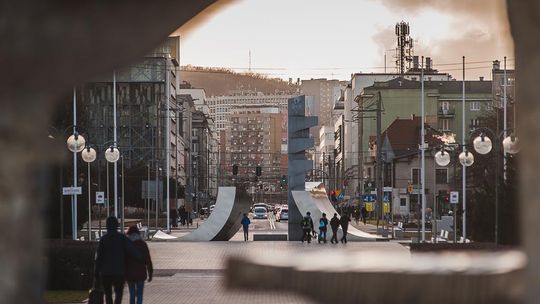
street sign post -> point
(72, 190)
(368, 198)
(100, 198)
(454, 197)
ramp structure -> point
(224, 222)
(316, 202)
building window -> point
(475, 123)
(441, 176)
(475, 106)
(445, 106)
(415, 176)
(445, 124)
(403, 202)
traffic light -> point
(283, 180)
(258, 171)
(235, 169)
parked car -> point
(260, 213)
(259, 205)
(282, 215)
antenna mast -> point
(404, 50)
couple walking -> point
(308, 228)
(121, 258)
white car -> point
(283, 214)
(260, 213)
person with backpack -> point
(245, 225)
(364, 214)
(307, 227)
(334, 224)
(110, 265)
(323, 226)
(344, 222)
(138, 271)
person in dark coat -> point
(245, 225)
(111, 255)
(364, 214)
(334, 224)
(307, 227)
(138, 271)
(344, 222)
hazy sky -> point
(332, 39)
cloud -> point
(480, 31)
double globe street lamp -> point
(483, 144)
(77, 143)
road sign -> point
(369, 207)
(386, 207)
(368, 198)
(454, 197)
(72, 190)
(341, 196)
(100, 198)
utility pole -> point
(423, 149)
(379, 183)
(464, 173)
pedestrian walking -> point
(334, 224)
(344, 222)
(137, 271)
(357, 215)
(245, 225)
(307, 227)
(364, 214)
(323, 227)
(113, 248)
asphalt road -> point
(269, 224)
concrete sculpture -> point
(224, 222)
(316, 201)
(298, 165)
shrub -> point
(70, 264)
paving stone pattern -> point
(191, 272)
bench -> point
(466, 240)
(143, 230)
(269, 237)
(398, 232)
(441, 238)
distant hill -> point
(222, 81)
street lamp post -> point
(75, 144)
(89, 155)
(483, 145)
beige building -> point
(253, 138)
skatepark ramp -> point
(315, 200)
(224, 222)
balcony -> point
(446, 112)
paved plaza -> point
(191, 272)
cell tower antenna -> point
(404, 50)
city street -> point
(266, 226)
